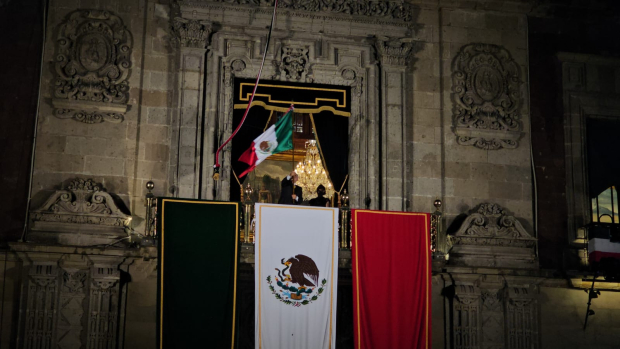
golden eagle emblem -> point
(265, 147)
(301, 285)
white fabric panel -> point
(283, 233)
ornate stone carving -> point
(83, 203)
(492, 319)
(391, 10)
(489, 237)
(74, 281)
(466, 316)
(88, 117)
(522, 318)
(103, 307)
(237, 65)
(191, 32)
(41, 304)
(293, 64)
(356, 81)
(92, 66)
(491, 220)
(72, 296)
(394, 51)
(487, 95)
(348, 74)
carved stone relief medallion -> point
(238, 65)
(487, 97)
(92, 64)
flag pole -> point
(293, 141)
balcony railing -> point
(437, 235)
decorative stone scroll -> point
(191, 32)
(82, 207)
(391, 51)
(489, 237)
(487, 96)
(92, 64)
(394, 10)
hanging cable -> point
(216, 167)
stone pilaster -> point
(193, 37)
(396, 136)
(73, 297)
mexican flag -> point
(296, 273)
(276, 139)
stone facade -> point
(142, 90)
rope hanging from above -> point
(216, 167)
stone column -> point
(396, 134)
(186, 140)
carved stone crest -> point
(391, 51)
(82, 207)
(92, 65)
(191, 32)
(489, 237)
(487, 96)
(293, 64)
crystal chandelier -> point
(311, 173)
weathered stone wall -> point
(124, 155)
(563, 315)
(464, 175)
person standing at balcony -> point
(320, 200)
(290, 194)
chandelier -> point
(311, 173)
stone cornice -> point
(395, 13)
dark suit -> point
(319, 201)
(286, 195)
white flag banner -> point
(296, 276)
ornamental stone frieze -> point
(81, 214)
(92, 62)
(191, 33)
(489, 237)
(393, 51)
(487, 97)
(384, 9)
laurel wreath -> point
(295, 290)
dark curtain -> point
(252, 127)
(603, 154)
(332, 133)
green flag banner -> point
(197, 274)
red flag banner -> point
(391, 279)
